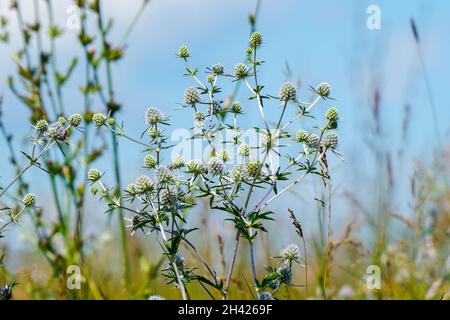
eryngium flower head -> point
(224, 155)
(331, 141)
(62, 120)
(255, 39)
(285, 273)
(288, 92)
(99, 119)
(153, 116)
(29, 200)
(199, 116)
(56, 132)
(290, 253)
(217, 69)
(215, 166)
(236, 107)
(178, 162)
(265, 296)
(168, 196)
(332, 114)
(194, 167)
(132, 189)
(154, 132)
(302, 136)
(94, 175)
(253, 168)
(41, 126)
(210, 78)
(240, 71)
(150, 161)
(75, 119)
(191, 96)
(244, 150)
(144, 184)
(313, 141)
(183, 52)
(239, 173)
(323, 89)
(164, 175)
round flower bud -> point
(194, 167)
(323, 89)
(239, 173)
(183, 52)
(253, 168)
(313, 141)
(144, 184)
(255, 39)
(199, 116)
(164, 175)
(153, 116)
(111, 121)
(285, 273)
(215, 166)
(178, 162)
(41, 126)
(332, 114)
(244, 150)
(331, 141)
(301, 136)
(150, 161)
(236, 107)
(217, 69)
(211, 78)
(132, 189)
(62, 120)
(288, 92)
(75, 119)
(168, 196)
(29, 200)
(94, 175)
(99, 119)
(56, 132)
(240, 71)
(154, 132)
(191, 96)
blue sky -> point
(322, 40)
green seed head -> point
(240, 71)
(56, 132)
(150, 161)
(302, 136)
(191, 96)
(288, 92)
(331, 141)
(199, 116)
(237, 107)
(323, 89)
(154, 132)
(211, 78)
(99, 119)
(75, 119)
(313, 141)
(194, 167)
(94, 175)
(144, 184)
(239, 173)
(244, 150)
(178, 162)
(132, 189)
(217, 69)
(255, 39)
(224, 155)
(253, 168)
(29, 200)
(62, 120)
(332, 114)
(183, 52)
(41, 126)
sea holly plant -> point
(239, 171)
